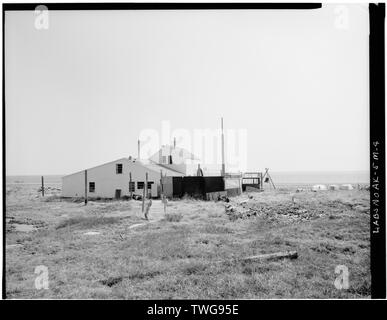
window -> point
(91, 186)
(131, 186)
(118, 168)
(170, 159)
(140, 185)
(150, 185)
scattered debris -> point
(319, 187)
(92, 233)
(48, 189)
(274, 256)
(282, 212)
(224, 198)
(135, 225)
(216, 196)
(23, 225)
(346, 187)
(139, 275)
(235, 211)
(137, 197)
(111, 281)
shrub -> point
(52, 198)
(215, 229)
(173, 217)
(87, 222)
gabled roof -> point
(100, 165)
(148, 164)
(157, 168)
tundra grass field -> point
(106, 250)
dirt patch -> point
(23, 225)
(110, 282)
(173, 217)
(86, 222)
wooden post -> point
(161, 184)
(261, 181)
(130, 186)
(42, 186)
(143, 198)
(146, 185)
(163, 200)
(85, 187)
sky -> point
(292, 85)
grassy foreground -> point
(194, 253)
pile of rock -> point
(281, 212)
(238, 211)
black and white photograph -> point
(172, 152)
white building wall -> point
(107, 181)
(73, 185)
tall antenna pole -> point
(85, 187)
(223, 164)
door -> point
(118, 194)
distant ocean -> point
(52, 179)
(280, 178)
(315, 177)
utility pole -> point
(42, 186)
(163, 199)
(138, 149)
(85, 187)
(144, 192)
(130, 186)
(161, 185)
(146, 185)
